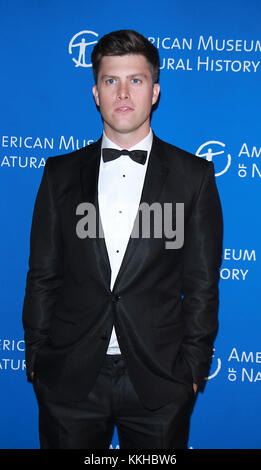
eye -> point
(110, 81)
(136, 80)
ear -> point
(156, 92)
(96, 94)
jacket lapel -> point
(156, 174)
(89, 175)
(89, 172)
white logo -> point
(217, 369)
(82, 44)
(209, 154)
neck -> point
(127, 140)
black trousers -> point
(113, 401)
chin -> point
(124, 129)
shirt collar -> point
(144, 144)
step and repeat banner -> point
(210, 54)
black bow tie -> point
(138, 156)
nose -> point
(123, 91)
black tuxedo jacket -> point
(164, 302)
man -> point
(119, 329)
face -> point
(125, 94)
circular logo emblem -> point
(78, 47)
(211, 149)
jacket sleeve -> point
(45, 274)
(202, 260)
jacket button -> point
(116, 298)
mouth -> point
(124, 109)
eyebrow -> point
(138, 74)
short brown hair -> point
(124, 42)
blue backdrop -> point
(210, 106)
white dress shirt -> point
(119, 191)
